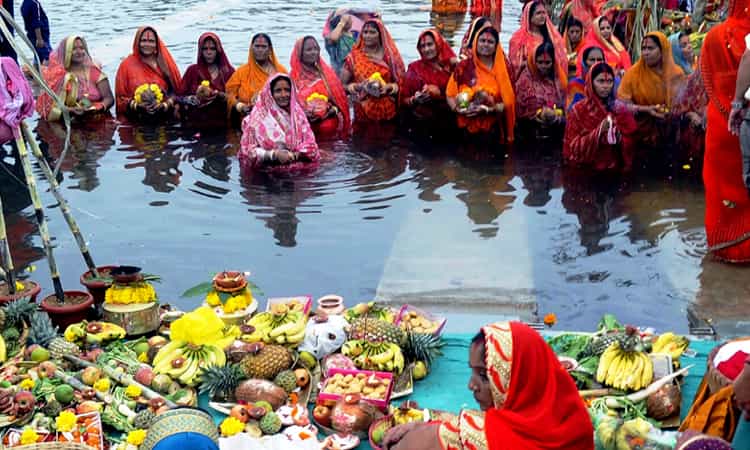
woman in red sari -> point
(583, 10)
(204, 83)
(484, 80)
(574, 42)
(422, 89)
(727, 199)
(149, 64)
(600, 35)
(372, 72)
(599, 133)
(319, 90)
(541, 91)
(527, 400)
(536, 27)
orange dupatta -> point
(643, 86)
(615, 53)
(493, 81)
(133, 72)
(248, 80)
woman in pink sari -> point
(77, 80)
(16, 100)
(536, 27)
(276, 135)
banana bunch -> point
(671, 344)
(287, 328)
(383, 356)
(605, 434)
(403, 416)
(94, 332)
(185, 362)
(624, 370)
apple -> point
(322, 415)
(91, 375)
(25, 402)
(145, 375)
(240, 413)
(93, 354)
(47, 369)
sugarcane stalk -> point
(123, 378)
(7, 260)
(39, 212)
(78, 384)
(55, 187)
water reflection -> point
(155, 149)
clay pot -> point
(29, 292)
(66, 314)
(330, 305)
(125, 274)
(229, 281)
(97, 288)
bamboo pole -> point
(39, 212)
(124, 379)
(55, 187)
(7, 260)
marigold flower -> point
(27, 384)
(102, 385)
(550, 319)
(29, 436)
(231, 426)
(19, 286)
(133, 391)
(136, 437)
(66, 421)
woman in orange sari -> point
(616, 55)
(149, 64)
(77, 80)
(536, 27)
(319, 90)
(247, 81)
(651, 87)
(727, 199)
(372, 72)
(487, 102)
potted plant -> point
(230, 294)
(24, 288)
(71, 309)
(97, 286)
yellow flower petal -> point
(66, 421)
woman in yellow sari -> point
(651, 87)
(487, 101)
(248, 80)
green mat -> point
(446, 388)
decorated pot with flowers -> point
(204, 91)
(374, 85)
(131, 301)
(229, 294)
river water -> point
(385, 217)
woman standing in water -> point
(77, 80)
(245, 84)
(536, 27)
(319, 90)
(371, 74)
(149, 64)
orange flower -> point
(550, 319)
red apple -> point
(144, 376)
(91, 375)
(25, 401)
(47, 369)
(322, 415)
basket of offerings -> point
(230, 295)
(131, 301)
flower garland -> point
(141, 292)
(154, 88)
(234, 303)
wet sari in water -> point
(727, 199)
(473, 76)
(248, 80)
(134, 72)
(71, 89)
(692, 98)
(615, 53)
(436, 73)
(530, 391)
(534, 91)
(524, 41)
(573, 51)
(16, 99)
(468, 40)
(322, 81)
(361, 66)
(269, 127)
(585, 144)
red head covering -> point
(524, 41)
(225, 67)
(305, 77)
(445, 53)
(391, 54)
(164, 59)
(561, 75)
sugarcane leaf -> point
(201, 289)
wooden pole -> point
(7, 260)
(39, 212)
(55, 187)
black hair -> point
(335, 20)
(598, 69)
(262, 35)
(493, 32)
(478, 338)
(532, 9)
(588, 51)
(602, 19)
(280, 78)
(545, 48)
(573, 22)
(655, 40)
(480, 23)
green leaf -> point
(201, 289)
(224, 296)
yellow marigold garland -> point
(158, 94)
(141, 292)
(315, 96)
(233, 304)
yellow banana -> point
(3, 350)
(634, 374)
(291, 328)
(221, 357)
(604, 362)
(381, 358)
(166, 351)
(648, 372)
(189, 373)
(662, 342)
(612, 370)
(165, 365)
(398, 360)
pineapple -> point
(266, 361)
(18, 312)
(423, 347)
(44, 333)
(598, 345)
(374, 330)
(143, 419)
(220, 382)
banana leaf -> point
(200, 289)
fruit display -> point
(372, 386)
(301, 304)
(670, 344)
(93, 332)
(185, 362)
(266, 361)
(375, 330)
(281, 326)
(367, 355)
(372, 310)
(413, 320)
(624, 366)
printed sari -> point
(471, 32)
(679, 57)
(16, 99)
(71, 89)
(534, 91)
(134, 72)
(422, 73)
(615, 53)
(391, 69)
(573, 52)
(524, 41)
(531, 392)
(322, 81)
(269, 127)
(471, 75)
(585, 144)
(248, 80)
(727, 200)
